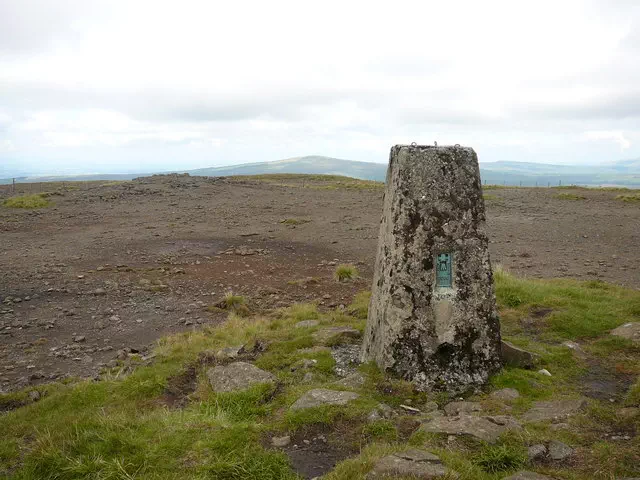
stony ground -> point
(264, 383)
(111, 267)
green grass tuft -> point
(577, 309)
(632, 198)
(294, 221)
(569, 196)
(345, 272)
(500, 458)
(359, 308)
(37, 200)
(233, 301)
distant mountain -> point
(312, 165)
(623, 173)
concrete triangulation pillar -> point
(432, 316)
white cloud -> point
(247, 81)
(611, 136)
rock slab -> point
(554, 410)
(322, 396)
(437, 330)
(483, 428)
(237, 376)
(517, 357)
(458, 408)
(629, 330)
(505, 394)
(335, 335)
(559, 451)
(524, 475)
(412, 463)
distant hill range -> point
(625, 173)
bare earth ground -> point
(111, 267)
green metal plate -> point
(444, 270)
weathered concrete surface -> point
(437, 337)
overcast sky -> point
(133, 86)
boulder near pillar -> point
(432, 316)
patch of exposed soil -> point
(179, 387)
(317, 448)
(605, 384)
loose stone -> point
(536, 452)
(505, 394)
(554, 410)
(237, 376)
(483, 428)
(457, 408)
(307, 324)
(629, 330)
(559, 451)
(412, 463)
(323, 396)
(281, 442)
(335, 335)
(524, 475)
(517, 357)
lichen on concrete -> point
(445, 338)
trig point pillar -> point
(432, 317)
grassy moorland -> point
(161, 420)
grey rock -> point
(281, 441)
(429, 407)
(457, 408)
(307, 324)
(354, 380)
(229, 353)
(34, 395)
(304, 364)
(576, 348)
(545, 372)
(505, 394)
(483, 428)
(334, 335)
(415, 329)
(628, 413)
(559, 451)
(517, 357)
(347, 358)
(536, 452)
(237, 376)
(629, 330)
(554, 410)
(79, 338)
(381, 412)
(558, 426)
(323, 396)
(524, 475)
(412, 463)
